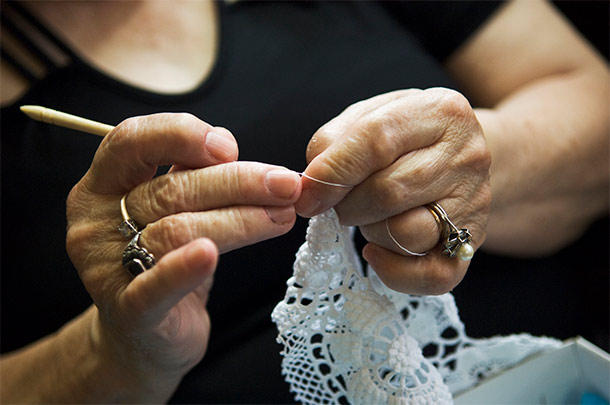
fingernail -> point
(282, 183)
(308, 204)
(221, 147)
(281, 215)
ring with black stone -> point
(455, 242)
(137, 259)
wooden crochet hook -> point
(62, 119)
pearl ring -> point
(454, 241)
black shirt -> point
(284, 69)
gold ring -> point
(128, 227)
(454, 241)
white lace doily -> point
(350, 339)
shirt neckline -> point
(142, 94)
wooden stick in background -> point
(61, 119)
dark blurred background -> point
(591, 18)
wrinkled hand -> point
(153, 328)
(399, 151)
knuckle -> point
(124, 141)
(129, 125)
(186, 119)
(73, 204)
(237, 180)
(342, 169)
(79, 215)
(481, 209)
(182, 126)
(454, 104)
(380, 140)
(169, 195)
(76, 235)
(474, 157)
(234, 181)
(320, 140)
(185, 122)
(234, 228)
(243, 227)
(125, 131)
(313, 147)
(485, 198)
(168, 233)
(480, 154)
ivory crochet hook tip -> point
(62, 119)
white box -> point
(557, 377)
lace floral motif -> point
(349, 339)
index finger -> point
(130, 154)
(369, 143)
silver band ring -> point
(454, 241)
(137, 259)
(128, 227)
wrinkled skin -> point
(155, 327)
(399, 151)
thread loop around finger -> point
(404, 249)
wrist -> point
(127, 368)
(538, 191)
(68, 366)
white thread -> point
(387, 227)
(348, 338)
(324, 182)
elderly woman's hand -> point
(153, 328)
(398, 152)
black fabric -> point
(23, 13)
(26, 42)
(441, 26)
(591, 18)
(17, 65)
(19, 25)
(284, 69)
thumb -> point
(152, 294)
